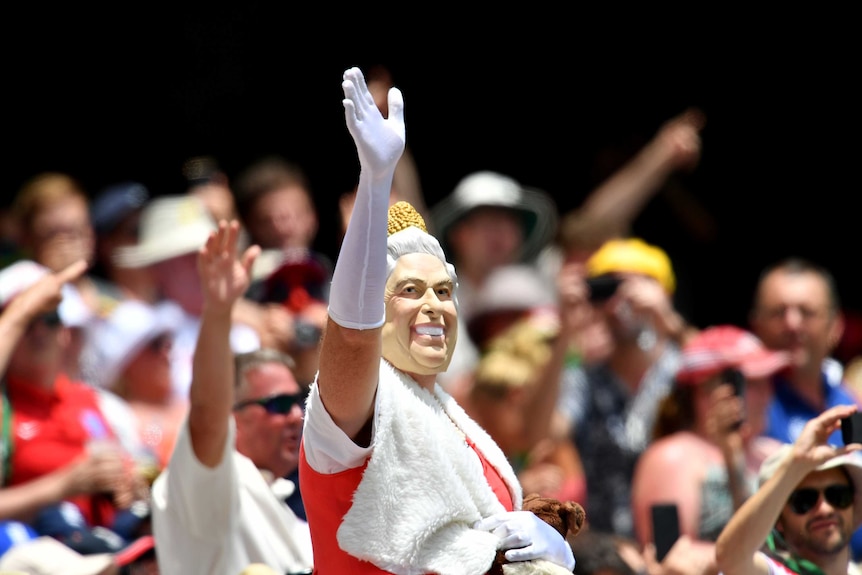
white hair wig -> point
(413, 240)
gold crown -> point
(402, 215)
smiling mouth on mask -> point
(431, 330)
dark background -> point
(555, 99)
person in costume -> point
(395, 476)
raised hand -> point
(812, 442)
(379, 141)
(45, 295)
(225, 276)
(679, 138)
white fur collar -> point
(423, 488)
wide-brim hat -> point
(113, 341)
(490, 189)
(170, 226)
(48, 556)
(720, 347)
(852, 463)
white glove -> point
(525, 537)
(357, 292)
(379, 141)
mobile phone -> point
(736, 379)
(602, 288)
(665, 527)
(851, 428)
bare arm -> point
(351, 346)
(573, 310)
(91, 473)
(224, 277)
(619, 199)
(665, 473)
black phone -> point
(602, 288)
(851, 428)
(736, 379)
(665, 528)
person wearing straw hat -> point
(803, 515)
(172, 229)
(395, 476)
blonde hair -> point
(513, 358)
(41, 192)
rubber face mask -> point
(421, 320)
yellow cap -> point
(633, 255)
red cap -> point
(717, 348)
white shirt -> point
(217, 521)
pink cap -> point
(717, 348)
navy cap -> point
(116, 202)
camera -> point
(603, 288)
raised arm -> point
(620, 198)
(351, 347)
(225, 277)
(41, 297)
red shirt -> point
(50, 429)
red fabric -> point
(53, 428)
(328, 498)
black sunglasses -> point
(804, 500)
(274, 404)
(49, 319)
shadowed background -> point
(551, 100)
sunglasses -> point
(160, 343)
(49, 319)
(274, 404)
(804, 500)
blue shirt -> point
(788, 412)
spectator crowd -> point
(161, 351)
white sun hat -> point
(170, 226)
(113, 341)
(491, 189)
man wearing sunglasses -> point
(808, 505)
(220, 504)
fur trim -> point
(423, 490)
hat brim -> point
(48, 555)
(764, 364)
(538, 215)
(162, 248)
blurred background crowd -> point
(621, 243)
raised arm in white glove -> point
(525, 537)
(356, 298)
